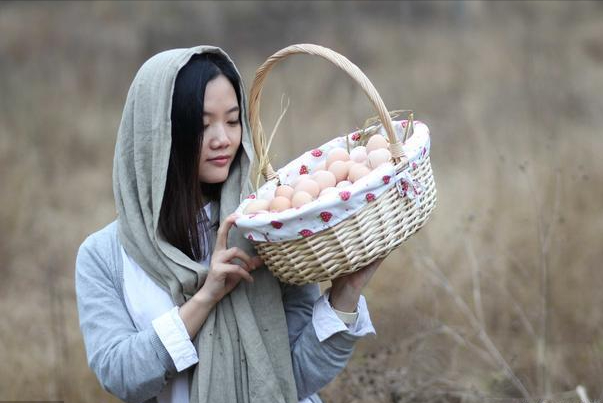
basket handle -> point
(257, 133)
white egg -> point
(378, 157)
(375, 142)
(340, 170)
(337, 154)
(300, 198)
(322, 166)
(256, 205)
(357, 171)
(280, 203)
(328, 190)
(358, 154)
(298, 179)
(324, 179)
(284, 190)
(308, 185)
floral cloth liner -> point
(330, 209)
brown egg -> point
(280, 203)
(324, 179)
(256, 205)
(308, 185)
(357, 171)
(285, 191)
(376, 141)
(343, 184)
(337, 154)
(300, 198)
(378, 157)
(328, 190)
(358, 154)
(340, 170)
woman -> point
(163, 312)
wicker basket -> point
(373, 231)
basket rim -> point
(261, 223)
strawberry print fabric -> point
(332, 208)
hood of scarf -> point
(235, 363)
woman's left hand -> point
(345, 291)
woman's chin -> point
(215, 176)
(214, 179)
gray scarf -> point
(243, 346)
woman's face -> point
(221, 130)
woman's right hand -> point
(224, 274)
(222, 277)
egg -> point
(358, 154)
(357, 171)
(256, 205)
(321, 166)
(343, 184)
(324, 179)
(280, 203)
(308, 185)
(378, 157)
(328, 190)
(298, 179)
(376, 141)
(284, 190)
(300, 198)
(337, 154)
(340, 170)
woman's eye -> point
(234, 122)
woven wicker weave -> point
(372, 232)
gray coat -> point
(135, 366)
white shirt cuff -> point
(327, 323)
(175, 338)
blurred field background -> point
(498, 298)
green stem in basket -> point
(263, 158)
(372, 124)
(278, 121)
(368, 128)
(409, 126)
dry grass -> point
(497, 298)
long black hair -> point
(184, 196)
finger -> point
(257, 261)
(235, 252)
(222, 236)
(238, 271)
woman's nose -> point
(220, 137)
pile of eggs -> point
(339, 170)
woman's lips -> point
(220, 161)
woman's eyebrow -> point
(233, 109)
